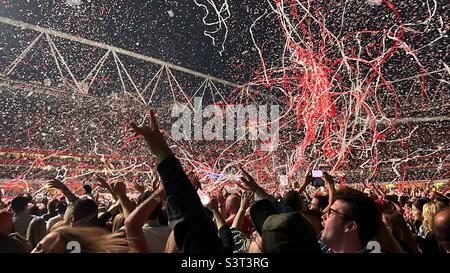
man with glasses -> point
(351, 222)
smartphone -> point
(316, 173)
(318, 182)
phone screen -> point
(316, 173)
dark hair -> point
(419, 204)
(86, 211)
(400, 231)
(363, 210)
(156, 212)
(61, 207)
(292, 200)
(52, 206)
(323, 201)
(442, 199)
(403, 200)
(87, 188)
(393, 198)
(34, 210)
(19, 204)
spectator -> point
(90, 239)
(60, 210)
(232, 205)
(36, 231)
(193, 230)
(21, 216)
(83, 213)
(351, 222)
(441, 229)
(51, 209)
(426, 242)
(396, 225)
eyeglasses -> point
(337, 212)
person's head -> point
(388, 244)
(19, 204)
(432, 195)
(429, 210)
(396, 225)
(293, 201)
(232, 203)
(351, 222)
(36, 231)
(403, 200)
(443, 199)
(61, 207)
(34, 210)
(51, 206)
(288, 233)
(417, 208)
(89, 239)
(6, 223)
(156, 212)
(314, 217)
(392, 198)
(118, 222)
(83, 212)
(441, 228)
(87, 189)
(319, 203)
(280, 232)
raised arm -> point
(103, 184)
(331, 190)
(238, 221)
(135, 221)
(248, 180)
(193, 230)
(57, 184)
(120, 189)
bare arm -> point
(331, 190)
(137, 218)
(120, 190)
(213, 206)
(103, 184)
(57, 184)
(245, 203)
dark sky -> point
(147, 27)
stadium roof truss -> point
(83, 86)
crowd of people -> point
(172, 214)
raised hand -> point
(101, 181)
(139, 187)
(154, 138)
(220, 196)
(56, 184)
(154, 181)
(212, 204)
(119, 188)
(246, 199)
(193, 177)
(248, 180)
(308, 178)
(327, 178)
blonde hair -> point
(94, 239)
(429, 210)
